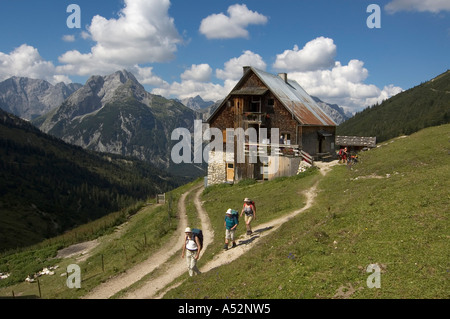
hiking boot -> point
(225, 247)
(234, 245)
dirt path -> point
(245, 243)
(178, 267)
(157, 287)
(132, 275)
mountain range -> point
(30, 98)
(115, 114)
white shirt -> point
(191, 244)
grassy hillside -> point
(425, 105)
(127, 238)
(48, 186)
(390, 209)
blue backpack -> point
(198, 233)
(235, 214)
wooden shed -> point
(261, 100)
(356, 143)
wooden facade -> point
(264, 101)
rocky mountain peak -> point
(196, 103)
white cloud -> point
(344, 85)
(27, 62)
(197, 79)
(316, 54)
(190, 88)
(433, 6)
(68, 38)
(315, 69)
(234, 67)
(145, 76)
(143, 33)
(221, 26)
(198, 73)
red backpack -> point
(253, 203)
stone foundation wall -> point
(217, 168)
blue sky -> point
(183, 48)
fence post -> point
(39, 287)
(169, 208)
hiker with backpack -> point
(231, 222)
(191, 248)
(249, 209)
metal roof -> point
(294, 98)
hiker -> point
(250, 214)
(344, 155)
(231, 222)
(341, 153)
(192, 248)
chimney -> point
(246, 68)
(283, 76)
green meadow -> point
(389, 210)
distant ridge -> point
(425, 105)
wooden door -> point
(230, 172)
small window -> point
(270, 106)
(255, 104)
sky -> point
(353, 53)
